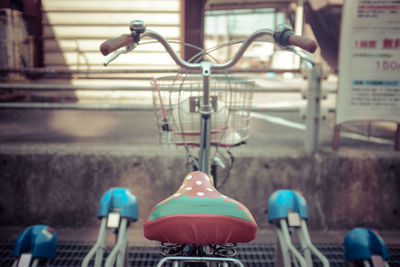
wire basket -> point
(176, 102)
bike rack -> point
(287, 210)
(34, 244)
(118, 208)
(364, 247)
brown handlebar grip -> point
(113, 44)
(303, 42)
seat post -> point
(204, 152)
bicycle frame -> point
(206, 68)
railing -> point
(312, 115)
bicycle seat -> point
(198, 214)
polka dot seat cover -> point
(198, 214)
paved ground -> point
(138, 127)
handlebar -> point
(113, 44)
(197, 66)
(283, 36)
(303, 42)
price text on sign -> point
(388, 65)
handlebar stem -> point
(205, 107)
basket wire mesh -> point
(177, 100)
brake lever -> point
(301, 54)
(116, 54)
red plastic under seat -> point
(198, 214)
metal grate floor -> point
(254, 254)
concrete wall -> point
(61, 185)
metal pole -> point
(122, 255)
(304, 246)
(133, 88)
(397, 143)
(98, 258)
(282, 256)
(292, 249)
(98, 246)
(205, 144)
(298, 27)
(73, 106)
(35, 263)
(205, 111)
(311, 248)
(118, 248)
(313, 111)
(58, 73)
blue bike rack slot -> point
(119, 199)
(40, 240)
(362, 243)
(282, 201)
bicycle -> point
(198, 225)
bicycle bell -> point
(137, 27)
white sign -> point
(25, 260)
(113, 220)
(369, 61)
